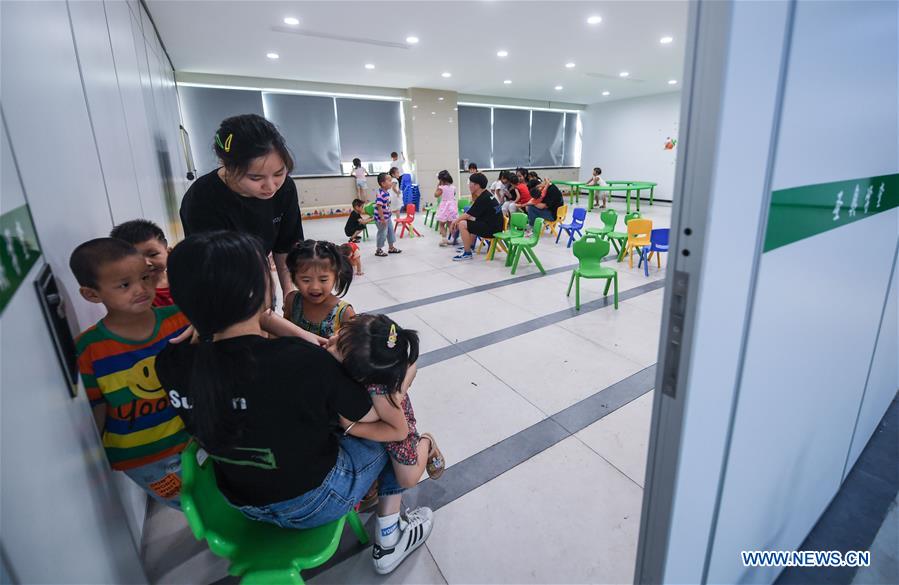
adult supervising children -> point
(484, 218)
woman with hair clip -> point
(265, 409)
(252, 193)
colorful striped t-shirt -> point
(383, 199)
(141, 425)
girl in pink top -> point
(448, 209)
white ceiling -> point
(233, 37)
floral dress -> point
(328, 326)
(405, 451)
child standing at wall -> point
(382, 217)
(318, 270)
(449, 206)
(377, 353)
(361, 184)
(142, 434)
(150, 241)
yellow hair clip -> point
(391, 339)
(228, 142)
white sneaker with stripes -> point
(414, 530)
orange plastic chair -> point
(407, 222)
(551, 226)
(639, 234)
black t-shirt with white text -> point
(210, 205)
(287, 394)
(486, 210)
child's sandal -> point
(436, 463)
(380, 253)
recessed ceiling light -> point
(369, 65)
(558, 88)
(291, 21)
(507, 81)
(433, 113)
(446, 74)
(412, 40)
(594, 20)
(623, 74)
(672, 82)
(440, 99)
(606, 93)
(569, 65)
(502, 53)
(272, 55)
(666, 40)
(413, 107)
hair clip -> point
(391, 339)
(227, 146)
(218, 141)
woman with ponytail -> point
(251, 192)
(264, 408)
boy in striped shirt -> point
(382, 217)
(142, 433)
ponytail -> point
(378, 351)
(218, 279)
(325, 253)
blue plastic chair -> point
(658, 243)
(578, 217)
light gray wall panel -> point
(818, 301)
(106, 108)
(58, 500)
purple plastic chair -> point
(658, 243)
(578, 217)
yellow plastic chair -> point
(552, 226)
(639, 234)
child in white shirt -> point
(596, 179)
(361, 183)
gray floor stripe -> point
(468, 291)
(475, 343)
(468, 475)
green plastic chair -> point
(258, 552)
(463, 203)
(526, 246)
(619, 239)
(518, 222)
(590, 250)
(609, 219)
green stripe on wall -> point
(802, 212)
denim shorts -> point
(160, 479)
(359, 463)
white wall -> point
(773, 400)
(799, 401)
(626, 139)
(90, 108)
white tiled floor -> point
(570, 514)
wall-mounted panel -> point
(106, 108)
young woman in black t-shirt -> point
(266, 409)
(251, 192)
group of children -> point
(514, 191)
(141, 431)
